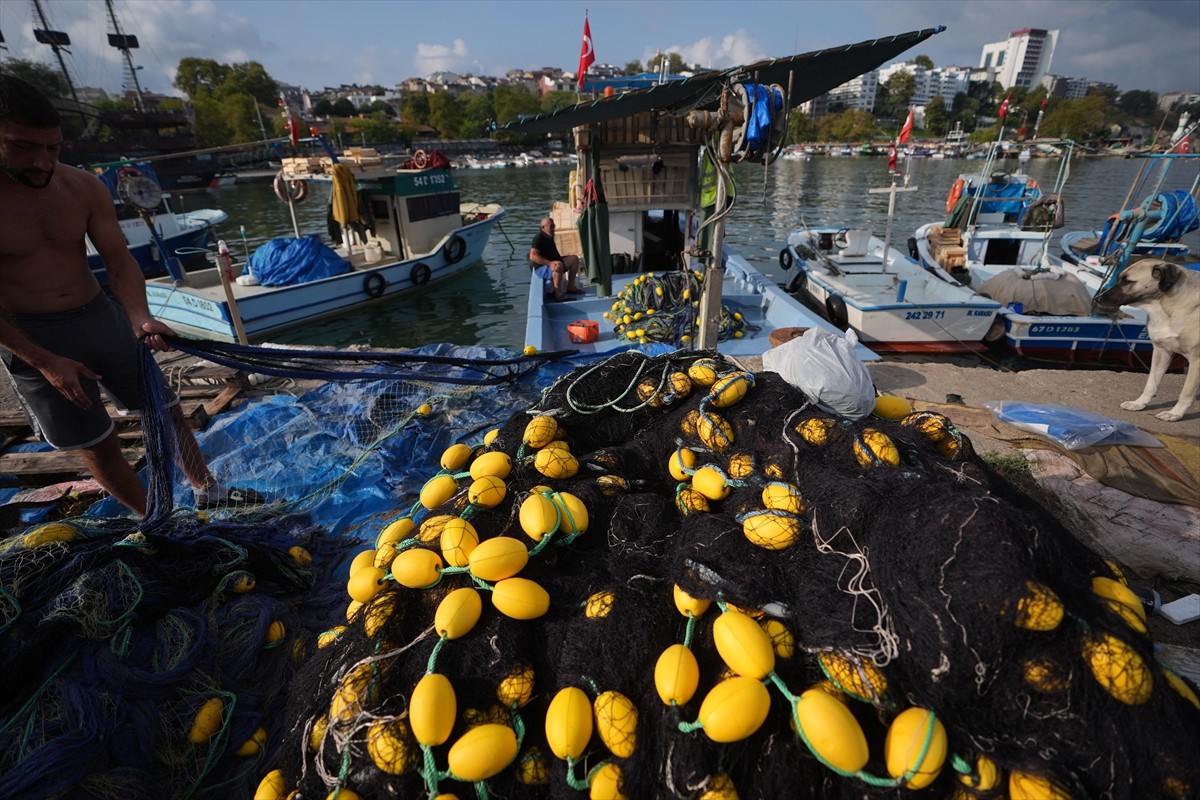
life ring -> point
(374, 284)
(420, 274)
(955, 192)
(456, 248)
(420, 159)
(835, 307)
(798, 281)
(785, 258)
(289, 191)
(129, 172)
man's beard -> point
(24, 178)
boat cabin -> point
(411, 210)
(649, 168)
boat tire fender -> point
(420, 274)
(785, 258)
(913, 252)
(835, 306)
(798, 282)
(456, 248)
(296, 191)
(374, 284)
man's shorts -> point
(547, 275)
(98, 335)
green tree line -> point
(236, 103)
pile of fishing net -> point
(664, 308)
(151, 662)
(672, 578)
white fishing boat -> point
(416, 233)
(176, 237)
(996, 240)
(892, 302)
(650, 196)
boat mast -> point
(58, 41)
(125, 43)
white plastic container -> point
(372, 253)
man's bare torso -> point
(43, 259)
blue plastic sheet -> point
(1072, 428)
(287, 261)
(319, 443)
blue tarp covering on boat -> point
(287, 261)
(996, 197)
(319, 444)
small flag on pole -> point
(587, 56)
(1004, 107)
(293, 124)
(906, 131)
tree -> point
(850, 125)
(478, 115)
(1138, 103)
(323, 107)
(252, 79)
(445, 114)
(900, 88)
(923, 61)
(936, 119)
(801, 128)
(378, 129)
(634, 68)
(46, 78)
(199, 76)
(342, 107)
(379, 106)
(414, 108)
(511, 101)
(552, 101)
(675, 63)
(1080, 120)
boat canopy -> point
(811, 74)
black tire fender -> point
(456, 248)
(420, 274)
(374, 284)
(913, 252)
(835, 307)
(786, 259)
(798, 281)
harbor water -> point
(486, 304)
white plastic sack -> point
(824, 366)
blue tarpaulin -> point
(286, 261)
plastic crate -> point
(583, 331)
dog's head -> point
(1142, 281)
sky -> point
(1135, 44)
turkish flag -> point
(1004, 107)
(1182, 146)
(892, 160)
(587, 56)
(906, 131)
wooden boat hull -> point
(764, 305)
(201, 309)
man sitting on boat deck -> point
(544, 259)
(61, 337)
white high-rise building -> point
(1022, 59)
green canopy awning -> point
(811, 75)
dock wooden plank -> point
(55, 462)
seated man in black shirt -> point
(545, 260)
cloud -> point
(432, 58)
(730, 50)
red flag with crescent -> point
(1004, 107)
(587, 56)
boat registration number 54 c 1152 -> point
(433, 179)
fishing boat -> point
(1154, 228)
(154, 233)
(650, 197)
(996, 240)
(891, 301)
(415, 233)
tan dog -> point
(1170, 296)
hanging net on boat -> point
(654, 577)
(672, 578)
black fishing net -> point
(671, 578)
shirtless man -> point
(551, 267)
(60, 335)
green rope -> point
(434, 654)
(691, 629)
(572, 781)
